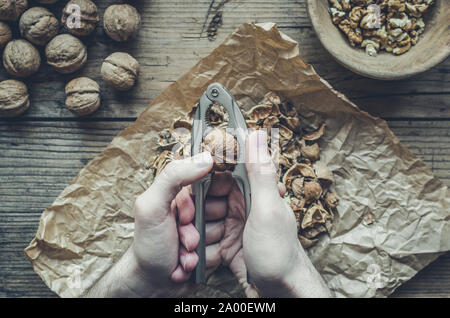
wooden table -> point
(41, 151)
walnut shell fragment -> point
(80, 17)
(21, 58)
(121, 22)
(312, 191)
(11, 10)
(14, 99)
(120, 70)
(223, 148)
(66, 53)
(82, 96)
(5, 34)
(331, 200)
(38, 25)
(311, 152)
(314, 215)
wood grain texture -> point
(39, 158)
(170, 43)
(41, 152)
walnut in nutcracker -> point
(38, 25)
(120, 70)
(21, 58)
(121, 22)
(14, 99)
(5, 34)
(66, 53)
(11, 10)
(80, 17)
(223, 148)
(82, 96)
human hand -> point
(162, 256)
(268, 247)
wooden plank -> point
(39, 158)
(170, 43)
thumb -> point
(175, 175)
(261, 170)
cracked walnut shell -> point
(82, 21)
(13, 98)
(223, 148)
(121, 22)
(21, 58)
(66, 53)
(11, 10)
(38, 25)
(82, 96)
(120, 70)
(5, 34)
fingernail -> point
(203, 160)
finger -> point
(179, 275)
(261, 170)
(185, 206)
(215, 208)
(213, 258)
(168, 183)
(189, 236)
(221, 184)
(281, 189)
(188, 260)
(214, 232)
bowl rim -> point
(320, 31)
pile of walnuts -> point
(380, 25)
(308, 181)
(65, 52)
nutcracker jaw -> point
(216, 93)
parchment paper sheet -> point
(393, 218)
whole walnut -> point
(66, 53)
(38, 25)
(121, 22)
(120, 70)
(5, 34)
(82, 96)
(82, 20)
(13, 98)
(223, 148)
(11, 10)
(21, 58)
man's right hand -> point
(273, 255)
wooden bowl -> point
(432, 48)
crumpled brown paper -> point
(393, 218)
